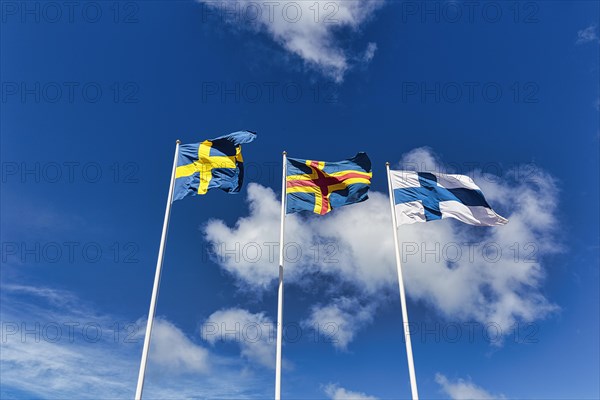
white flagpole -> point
(159, 262)
(280, 289)
(409, 355)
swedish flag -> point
(212, 164)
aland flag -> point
(427, 196)
(211, 164)
(320, 186)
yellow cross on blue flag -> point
(212, 164)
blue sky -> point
(94, 95)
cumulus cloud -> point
(587, 35)
(464, 390)
(249, 250)
(173, 351)
(332, 245)
(306, 29)
(252, 332)
(335, 392)
(340, 320)
(490, 275)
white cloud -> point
(463, 390)
(305, 29)
(340, 320)
(335, 392)
(54, 296)
(254, 333)
(174, 352)
(500, 285)
(47, 370)
(54, 346)
(588, 34)
(43, 349)
(250, 250)
(370, 52)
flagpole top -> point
(284, 152)
(387, 163)
(178, 141)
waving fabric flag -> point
(425, 196)
(321, 186)
(212, 164)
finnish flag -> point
(427, 196)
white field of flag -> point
(428, 196)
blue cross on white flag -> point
(427, 196)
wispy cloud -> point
(335, 392)
(309, 30)
(369, 52)
(464, 390)
(53, 346)
(496, 277)
(45, 343)
(55, 297)
(587, 35)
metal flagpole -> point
(159, 262)
(280, 289)
(409, 355)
